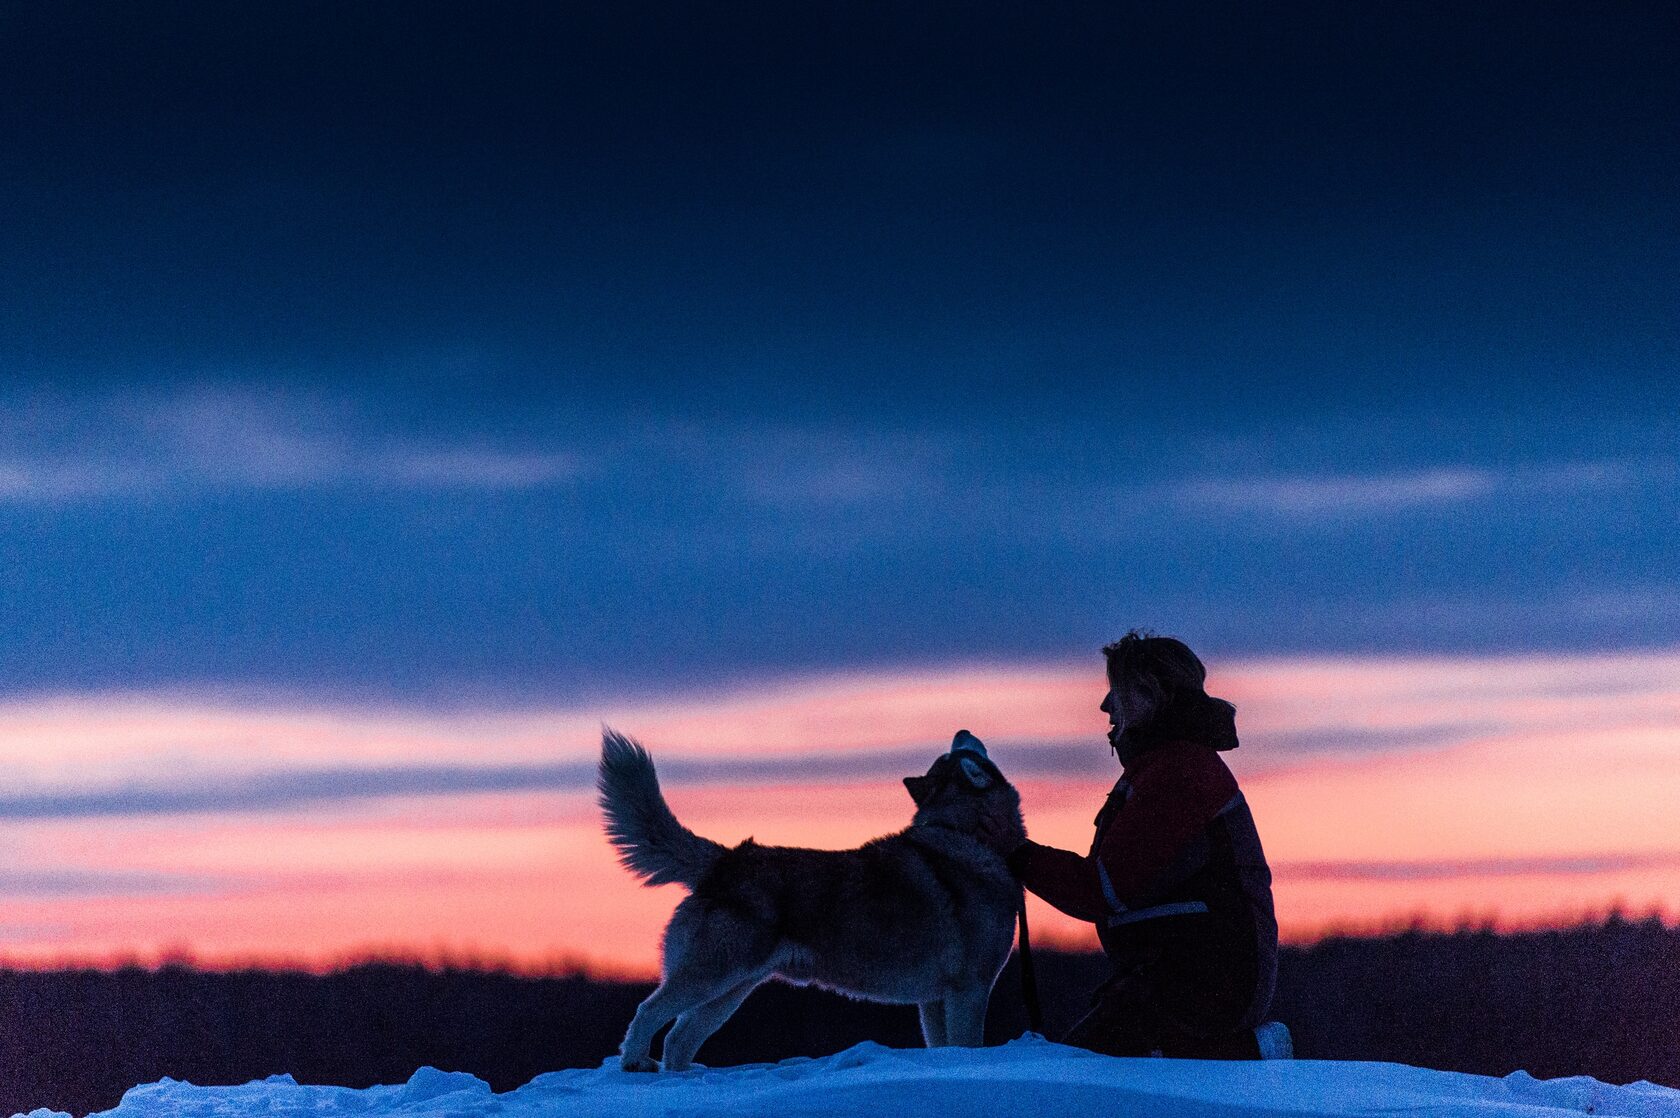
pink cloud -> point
(1557, 776)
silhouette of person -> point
(1175, 881)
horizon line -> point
(572, 965)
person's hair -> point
(1164, 666)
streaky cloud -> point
(1327, 495)
(283, 790)
(202, 439)
(1291, 713)
(101, 883)
(1361, 740)
(475, 468)
(1447, 868)
(1401, 491)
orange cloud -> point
(1527, 788)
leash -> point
(1029, 979)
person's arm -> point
(1170, 802)
(1062, 878)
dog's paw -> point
(638, 1063)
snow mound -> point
(1026, 1076)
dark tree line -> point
(1601, 1000)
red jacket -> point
(1165, 798)
(1176, 861)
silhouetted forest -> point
(1602, 1000)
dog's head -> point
(964, 791)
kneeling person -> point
(1175, 881)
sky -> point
(391, 394)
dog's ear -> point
(978, 778)
(921, 787)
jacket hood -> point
(1196, 717)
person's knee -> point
(1124, 1020)
(1109, 1038)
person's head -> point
(1147, 674)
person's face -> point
(1125, 706)
(1114, 705)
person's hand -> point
(1017, 859)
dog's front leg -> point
(933, 1023)
(965, 1016)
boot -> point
(1274, 1041)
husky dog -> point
(924, 916)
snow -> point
(1026, 1076)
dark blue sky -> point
(541, 353)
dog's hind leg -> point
(708, 953)
(965, 1016)
(677, 996)
(695, 1025)
(661, 1006)
(933, 1023)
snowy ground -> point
(1027, 1076)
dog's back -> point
(895, 920)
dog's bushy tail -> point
(651, 843)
